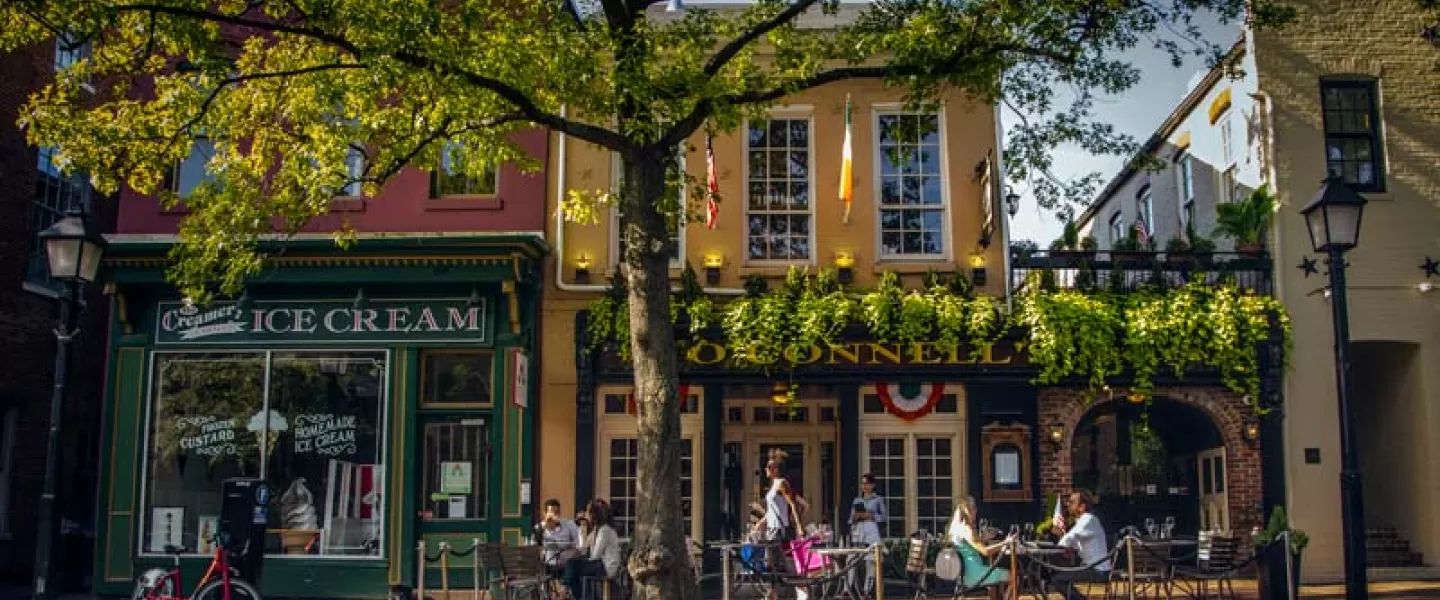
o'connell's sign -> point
(332, 322)
(869, 354)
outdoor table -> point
(1031, 572)
(843, 558)
(727, 576)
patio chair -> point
(916, 571)
(1216, 559)
(605, 587)
(523, 572)
(1152, 574)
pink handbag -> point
(807, 560)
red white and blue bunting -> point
(630, 399)
(911, 401)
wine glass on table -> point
(1150, 527)
(1030, 531)
(1169, 526)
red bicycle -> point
(221, 581)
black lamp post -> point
(74, 249)
(1333, 218)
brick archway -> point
(1067, 406)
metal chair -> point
(1216, 559)
(523, 572)
(1147, 569)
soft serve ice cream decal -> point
(267, 433)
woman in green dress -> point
(975, 569)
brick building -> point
(33, 195)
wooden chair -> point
(916, 570)
(605, 587)
(523, 572)
(1147, 568)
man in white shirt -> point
(1086, 536)
(560, 536)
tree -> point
(288, 91)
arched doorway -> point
(1164, 460)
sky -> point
(1138, 112)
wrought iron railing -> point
(1134, 271)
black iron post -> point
(47, 520)
(1352, 508)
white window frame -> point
(1145, 207)
(193, 161)
(893, 108)
(1228, 185)
(1184, 180)
(792, 112)
(355, 168)
(931, 426)
(616, 173)
(1116, 227)
(610, 427)
(382, 450)
(1227, 141)
(64, 59)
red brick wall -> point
(1229, 412)
(27, 344)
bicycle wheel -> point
(215, 590)
(164, 587)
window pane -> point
(457, 377)
(324, 410)
(934, 484)
(779, 190)
(206, 425)
(55, 195)
(456, 470)
(192, 171)
(887, 465)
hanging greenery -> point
(1094, 335)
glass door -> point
(454, 485)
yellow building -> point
(779, 182)
(1352, 87)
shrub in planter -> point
(1202, 248)
(1128, 251)
(1271, 542)
(1246, 221)
(1088, 247)
(1177, 252)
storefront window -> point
(457, 377)
(313, 433)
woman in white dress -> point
(784, 510)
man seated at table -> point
(1086, 536)
(560, 536)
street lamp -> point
(74, 249)
(1333, 218)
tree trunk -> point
(659, 562)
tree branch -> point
(273, 26)
(728, 51)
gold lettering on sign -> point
(812, 354)
(699, 355)
(879, 350)
(846, 352)
(922, 355)
(987, 356)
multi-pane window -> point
(192, 172)
(887, 464)
(355, 169)
(934, 482)
(1228, 190)
(1352, 133)
(450, 180)
(1143, 208)
(778, 189)
(675, 222)
(55, 195)
(912, 203)
(623, 486)
(69, 51)
(1117, 228)
(1187, 212)
(1227, 148)
(1185, 177)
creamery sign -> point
(864, 354)
(323, 322)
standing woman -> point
(783, 513)
(866, 515)
(975, 571)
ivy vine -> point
(1090, 334)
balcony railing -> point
(1139, 270)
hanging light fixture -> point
(782, 394)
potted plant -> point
(1088, 247)
(1271, 541)
(1129, 251)
(1246, 221)
(1177, 253)
(1201, 247)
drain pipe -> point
(1005, 217)
(563, 155)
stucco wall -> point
(1400, 229)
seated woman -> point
(602, 552)
(975, 571)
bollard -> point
(1014, 570)
(445, 569)
(1130, 563)
(420, 583)
(880, 571)
(475, 568)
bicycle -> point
(220, 582)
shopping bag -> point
(807, 560)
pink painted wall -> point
(403, 205)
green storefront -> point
(382, 391)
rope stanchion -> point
(879, 571)
(1290, 591)
(445, 569)
(420, 578)
(475, 569)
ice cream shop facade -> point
(378, 413)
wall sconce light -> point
(1251, 431)
(582, 269)
(845, 267)
(713, 262)
(978, 276)
(1056, 434)
(781, 394)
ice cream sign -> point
(440, 320)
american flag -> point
(712, 186)
(1142, 233)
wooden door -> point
(1214, 502)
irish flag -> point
(847, 188)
